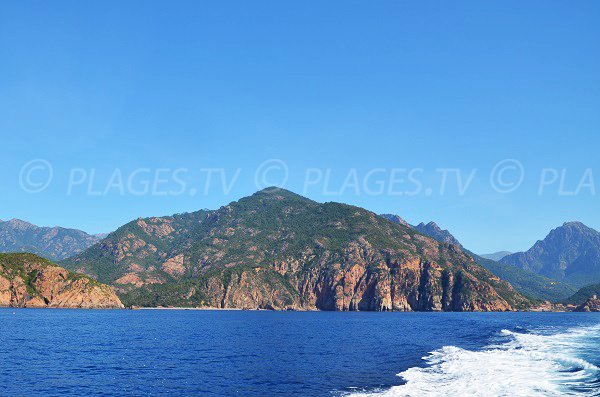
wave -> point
(528, 364)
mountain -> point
(54, 243)
(526, 282)
(496, 256)
(570, 253)
(583, 294)
(278, 250)
(26, 280)
(442, 235)
(430, 229)
(395, 219)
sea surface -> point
(47, 352)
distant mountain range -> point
(54, 243)
(496, 256)
(570, 254)
(276, 249)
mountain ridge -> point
(277, 249)
(54, 243)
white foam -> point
(524, 364)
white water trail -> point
(524, 364)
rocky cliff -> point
(54, 243)
(279, 250)
(26, 280)
(591, 305)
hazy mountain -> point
(526, 282)
(54, 243)
(570, 253)
(496, 256)
(276, 249)
(26, 280)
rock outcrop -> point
(26, 280)
(278, 250)
(591, 305)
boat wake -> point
(543, 363)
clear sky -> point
(353, 90)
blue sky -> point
(340, 87)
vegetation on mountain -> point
(27, 280)
(527, 282)
(276, 249)
(583, 294)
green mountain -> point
(276, 249)
(583, 294)
(54, 243)
(527, 282)
(524, 281)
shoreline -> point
(178, 308)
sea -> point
(61, 352)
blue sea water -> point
(261, 353)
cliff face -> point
(27, 280)
(279, 250)
(54, 243)
(570, 253)
(591, 305)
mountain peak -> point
(275, 194)
(570, 253)
(432, 229)
(276, 191)
(433, 225)
(396, 219)
(576, 225)
(18, 223)
(573, 228)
